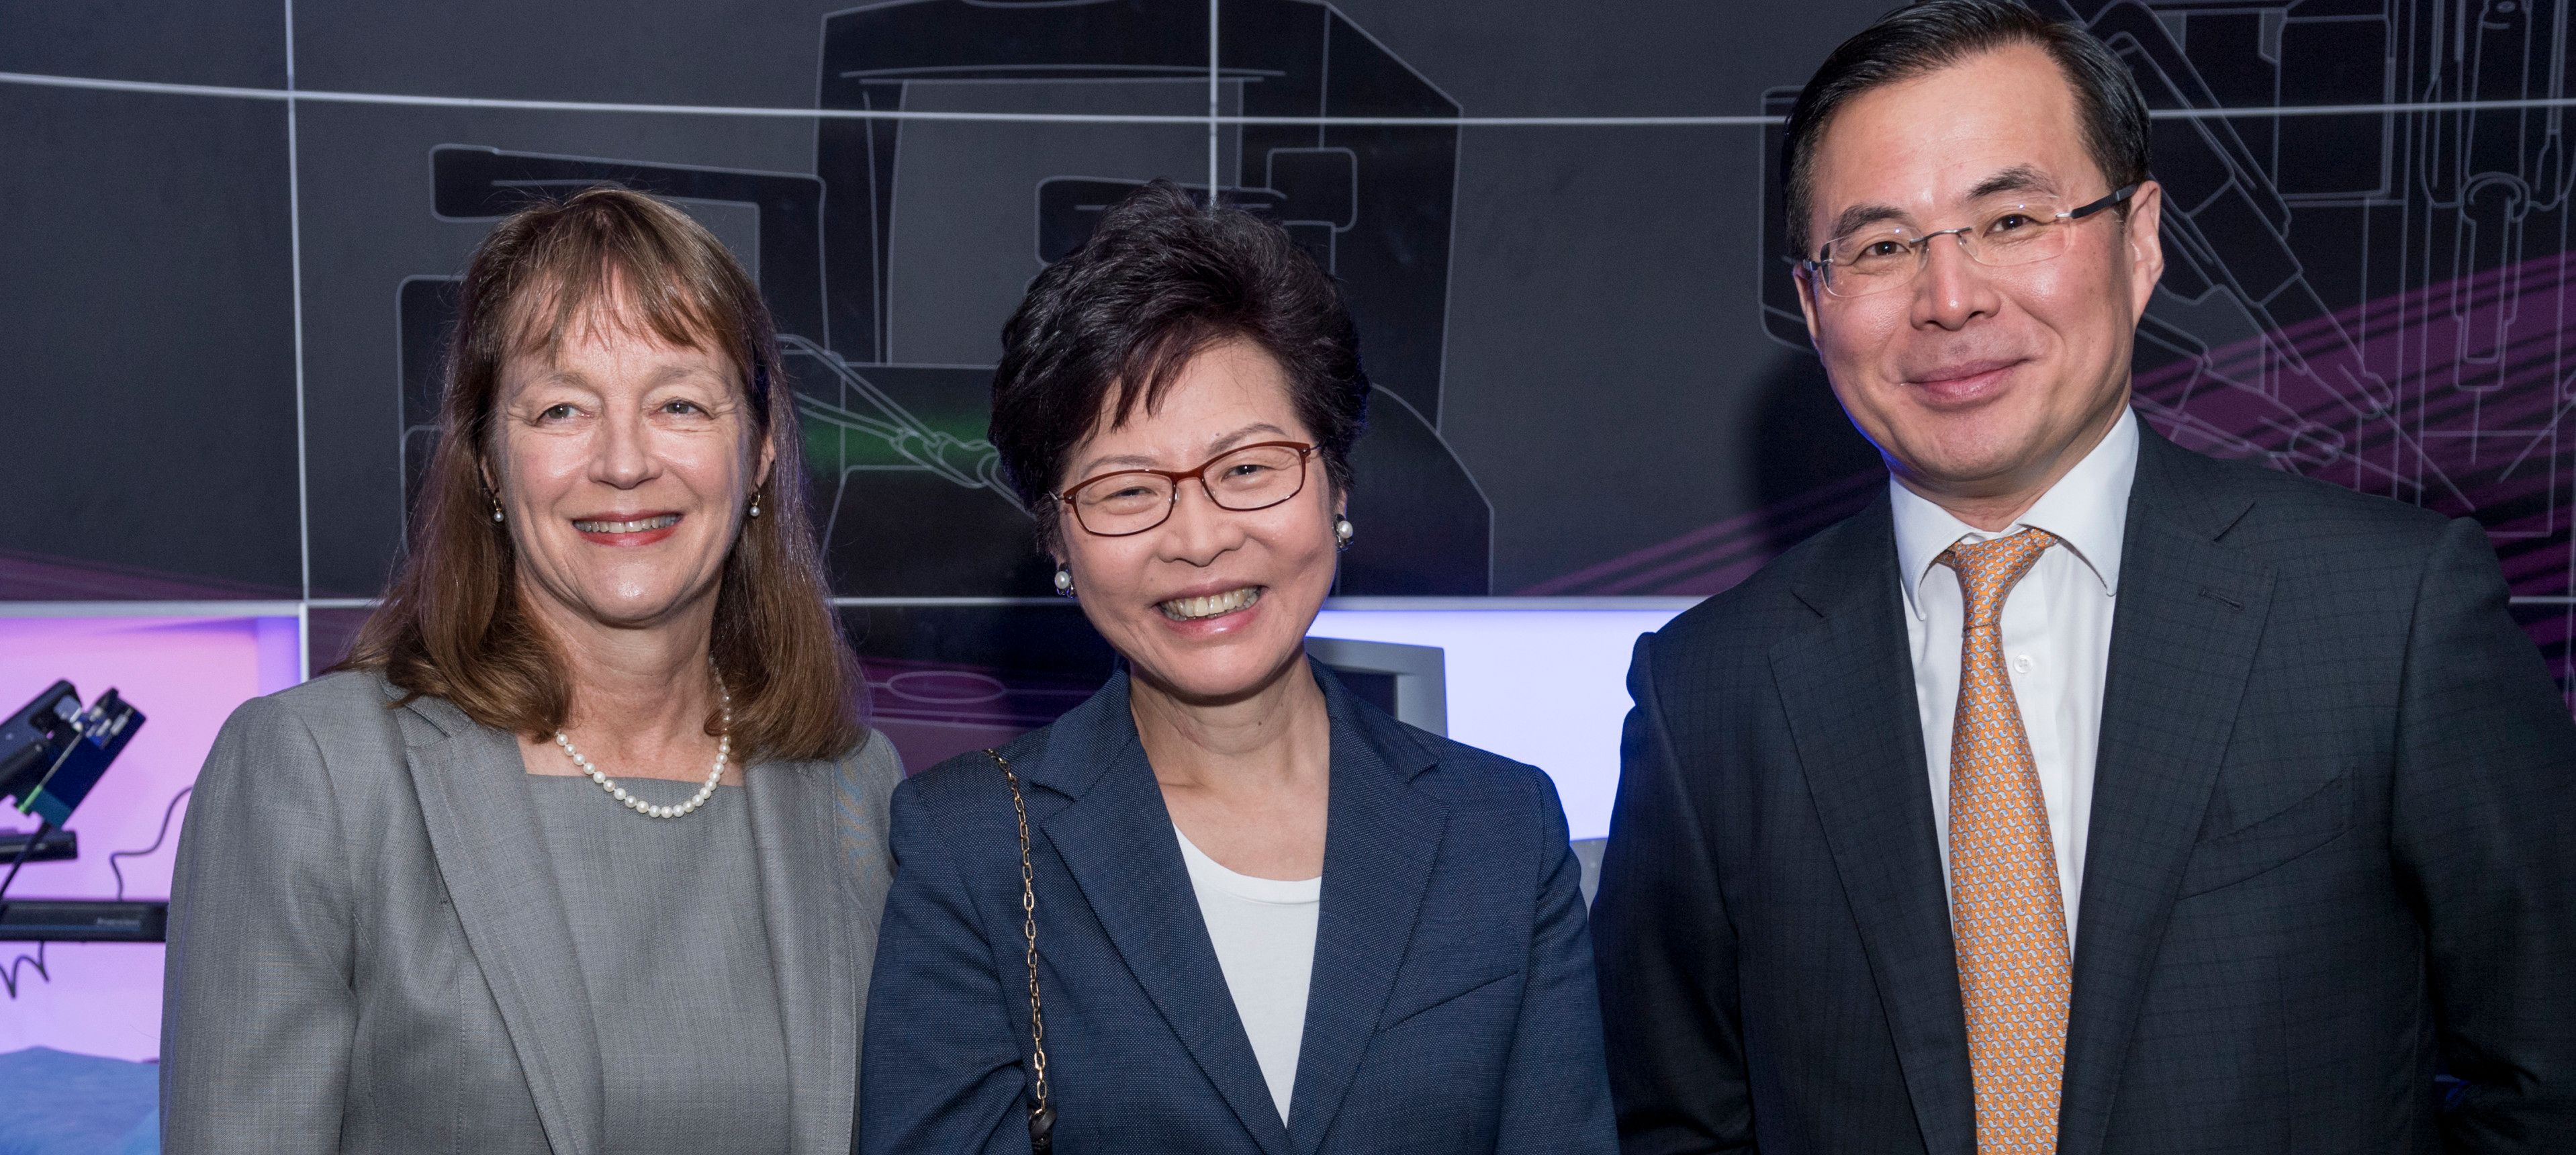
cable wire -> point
(157, 840)
(9, 978)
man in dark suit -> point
(2084, 794)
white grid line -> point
(321, 96)
(1214, 106)
(295, 281)
(251, 608)
(276, 608)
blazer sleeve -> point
(2483, 806)
(257, 1009)
(1666, 952)
(1556, 1097)
(940, 1069)
(865, 785)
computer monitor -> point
(1410, 682)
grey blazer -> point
(367, 952)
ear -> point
(1807, 286)
(768, 457)
(2146, 245)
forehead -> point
(608, 328)
(1224, 389)
(1924, 143)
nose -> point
(621, 451)
(1952, 290)
(1199, 531)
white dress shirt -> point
(1264, 933)
(2056, 637)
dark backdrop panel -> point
(1592, 378)
(146, 348)
(742, 52)
(1608, 388)
(943, 680)
(230, 42)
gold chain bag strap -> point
(1041, 1112)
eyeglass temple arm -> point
(2117, 195)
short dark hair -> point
(1109, 327)
(1921, 38)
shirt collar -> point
(2088, 509)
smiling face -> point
(1975, 382)
(1213, 604)
(625, 465)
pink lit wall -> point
(186, 675)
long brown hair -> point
(451, 624)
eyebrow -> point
(669, 374)
(2018, 178)
(1858, 217)
(1092, 467)
(661, 377)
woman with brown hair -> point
(583, 848)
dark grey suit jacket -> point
(2330, 851)
(367, 951)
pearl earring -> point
(755, 504)
(1342, 532)
(496, 511)
(1063, 580)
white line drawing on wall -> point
(895, 401)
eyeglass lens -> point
(1250, 478)
(1878, 259)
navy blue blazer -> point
(1452, 1006)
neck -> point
(1277, 735)
(634, 687)
(1991, 504)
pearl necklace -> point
(706, 790)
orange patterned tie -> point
(2005, 908)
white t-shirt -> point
(1264, 931)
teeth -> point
(1186, 609)
(639, 526)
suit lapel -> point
(1116, 840)
(1846, 681)
(2191, 612)
(809, 944)
(1382, 837)
(473, 790)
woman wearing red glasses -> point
(1224, 905)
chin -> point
(631, 608)
(1965, 448)
(1218, 677)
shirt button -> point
(2023, 664)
